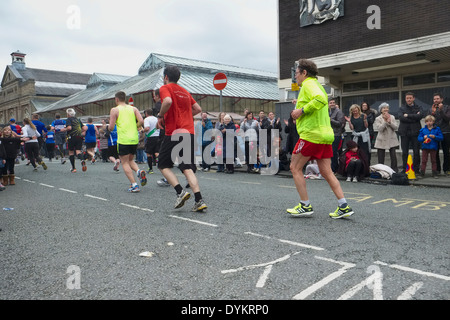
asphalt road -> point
(80, 236)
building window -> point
(374, 101)
(383, 83)
(443, 76)
(356, 86)
(419, 79)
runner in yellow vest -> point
(128, 120)
(316, 137)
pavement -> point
(442, 181)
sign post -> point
(220, 82)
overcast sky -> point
(116, 37)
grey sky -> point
(117, 36)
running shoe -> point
(73, 170)
(163, 183)
(199, 206)
(342, 212)
(42, 163)
(63, 161)
(142, 177)
(134, 189)
(181, 199)
(83, 165)
(150, 171)
(116, 166)
(301, 210)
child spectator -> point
(11, 143)
(354, 163)
(429, 136)
(2, 165)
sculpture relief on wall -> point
(319, 11)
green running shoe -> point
(301, 210)
(342, 212)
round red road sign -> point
(220, 81)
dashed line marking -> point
(195, 221)
(289, 187)
(95, 197)
(136, 207)
(67, 190)
(46, 185)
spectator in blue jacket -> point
(206, 125)
(430, 135)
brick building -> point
(27, 90)
(368, 50)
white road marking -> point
(95, 197)
(423, 273)
(316, 286)
(31, 181)
(46, 185)
(374, 282)
(253, 266)
(298, 244)
(263, 278)
(136, 207)
(408, 293)
(195, 221)
(67, 190)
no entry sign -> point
(220, 81)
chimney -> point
(18, 60)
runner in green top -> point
(316, 137)
(128, 120)
(313, 99)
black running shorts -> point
(182, 149)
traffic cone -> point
(410, 169)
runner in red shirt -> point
(176, 116)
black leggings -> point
(32, 150)
(9, 166)
(354, 168)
